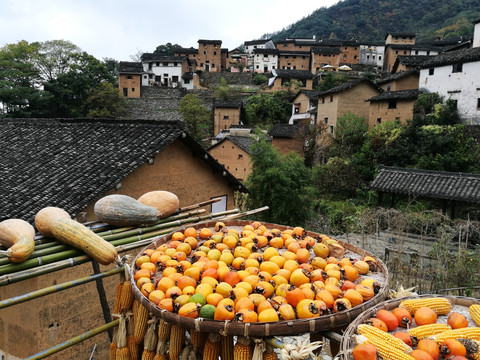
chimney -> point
(476, 34)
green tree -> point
(104, 101)
(196, 116)
(265, 109)
(430, 109)
(330, 80)
(55, 57)
(350, 134)
(283, 183)
(338, 177)
(167, 49)
(20, 80)
(223, 91)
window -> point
(379, 120)
(125, 91)
(133, 89)
(323, 100)
(214, 53)
(331, 129)
(457, 68)
(219, 206)
(204, 52)
(240, 157)
(225, 117)
(379, 58)
(388, 87)
(325, 120)
(478, 103)
(431, 71)
(174, 78)
(396, 52)
(157, 64)
(186, 81)
(392, 104)
(331, 98)
(129, 77)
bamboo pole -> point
(57, 288)
(66, 344)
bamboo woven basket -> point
(460, 304)
(278, 328)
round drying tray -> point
(460, 304)
(277, 328)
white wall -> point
(161, 70)
(461, 86)
(476, 35)
(270, 61)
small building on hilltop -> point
(287, 137)
(209, 56)
(290, 79)
(130, 79)
(226, 113)
(403, 80)
(166, 71)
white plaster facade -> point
(462, 86)
(476, 34)
(264, 62)
(372, 55)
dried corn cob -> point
(463, 333)
(373, 333)
(442, 306)
(211, 351)
(132, 345)
(242, 349)
(177, 340)
(196, 339)
(150, 342)
(160, 356)
(474, 311)
(424, 331)
(384, 348)
(270, 353)
(163, 337)
(113, 344)
(126, 296)
(122, 352)
(118, 296)
(226, 352)
(473, 348)
(140, 319)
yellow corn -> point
(424, 331)
(122, 354)
(126, 296)
(197, 339)
(242, 349)
(177, 340)
(160, 357)
(132, 345)
(442, 306)
(463, 333)
(371, 332)
(118, 295)
(140, 318)
(270, 353)
(227, 347)
(113, 344)
(211, 351)
(164, 330)
(384, 348)
(472, 347)
(474, 311)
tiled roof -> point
(293, 53)
(228, 103)
(256, 42)
(126, 67)
(311, 94)
(265, 51)
(396, 95)
(243, 142)
(346, 86)
(285, 130)
(294, 74)
(413, 60)
(212, 42)
(160, 57)
(326, 50)
(70, 163)
(396, 76)
(186, 51)
(453, 57)
(428, 183)
(399, 34)
(400, 46)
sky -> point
(121, 29)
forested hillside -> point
(371, 20)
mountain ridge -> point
(371, 20)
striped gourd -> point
(441, 305)
(211, 350)
(242, 349)
(78, 235)
(474, 311)
(140, 319)
(377, 335)
(226, 347)
(177, 341)
(424, 331)
(462, 333)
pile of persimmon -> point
(253, 274)
(429, 327)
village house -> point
(345, 98)
(233, 152)
(304, 107)
(287, 137)
(265, 60)
(323, 55)
(191, 53)
(167, 71)
(130, 79)
(296, 44)
(250, 46)
(392, 106)
(403, 80)
(209, 56)
(71, 163)
(406, 63)
(290, 79)
(226, 113)
(372, 54)
(294, 60)
(236, 59)
(397, 44)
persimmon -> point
(244, 303)
(364, 352)
(429, 346)
(405, 337)
(421, 355)
(403, 316)
(224, 312)
(286, 312)
(166, 304)
(388, 318)
(306, 309)
(264, 305)
(379, 324)
(205, 233)
(452, 347)
(268, 315)
(350, 273)
(232, 278)
(326, 297)
(156, 296)
(425, 316)
(190, 231)
(214, 299)
(353, 296)
(457, 320)
(246, 315)
(294, 296)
